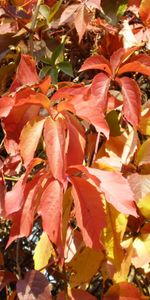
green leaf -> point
(54, 75)
(45, 71)
(54, 9)
(121, 9)
(66, 67)
(58, 52)
(45, 12)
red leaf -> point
(96, 62)
(76, 294)
(120, 56)
(50, 209)
(123, 291)
(34, 286)
(135, 66)
(132, 100)
(89, 111)
(22, 220)
(29, 139)
(99, 88)
(54, 136)
(89, 211)
(119, 193)
(6, 104)
(76, 143)
(14, 199)
(26, 73)
(116, 59)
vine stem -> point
(33, 23)
(17, 259)
(96, 146)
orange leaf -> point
(29, 139)
(54, 136)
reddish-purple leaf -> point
(89, 211)
(99, 88)
(96, 62)
(54, 136)
(34, 286)
(132, 100)
(50, 209)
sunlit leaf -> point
(42, 252)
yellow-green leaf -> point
(43, 251)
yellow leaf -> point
(84, 265)
(112, 238)
(43, 251)
(144, 206)
(144, 125)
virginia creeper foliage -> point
(75, 149)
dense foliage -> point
(75, 149)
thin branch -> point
(17, 258)
(33, 24)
